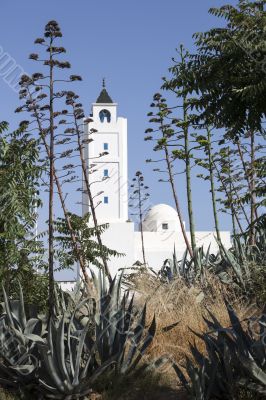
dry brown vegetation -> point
(171, 303)
(176, 302)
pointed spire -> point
(104, 96)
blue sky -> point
(130, 43)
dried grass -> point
(188, 305)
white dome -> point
(161, 211)
(160, 215)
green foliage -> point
(220, 86)
(19, 175)
(34, 284)
(228, 70)
(19, 180)
(257, 283)
(234, 362)
(89, 249)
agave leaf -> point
(175, 265)
(19, 335)
(215, 325)
(170, 327)
(181, 377)
(63, 301)
(183, 263)
(234, 265)
(123, 332)
(199, 358)
(262, 322)
(146, 343)
(135, 340)
(78, 356)
(101, 369)
(253, 369)
(53, 357)
(118, 288)
(158, 363)
(51, 368)
(21, 311)
(212, 382)
(98, 286)
(60, 348)
(89, 361)
(6, 382)
(207, 255)
(116, 329)
(254, 387)
(242, 336)
(34, 338)
(71, 361)
(56, 303)
(48, 387)
(25, 369)
(197, 378)
(32, 325)
(91, 355)
(7, 309)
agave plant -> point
(236, 265)
(230, 266)
(58, 359)
(235, 358)
(68, 360)
(77, 351)
(256, 252)
(120, 329)
(86, 336)
(18, 338)
(189, 269)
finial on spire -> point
(104, 96)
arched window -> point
(105, 114)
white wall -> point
(160, 245)
(116, 186)
(120, 237)
(67, 286)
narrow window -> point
(105, 146)
(165, 226)
(105, 173)
(105, 199)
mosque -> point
(106, 135)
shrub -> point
(64, 356)
(234, 363)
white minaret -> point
(110, 177)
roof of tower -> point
(104, 96)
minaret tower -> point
(109, 181)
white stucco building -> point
(107, 133)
